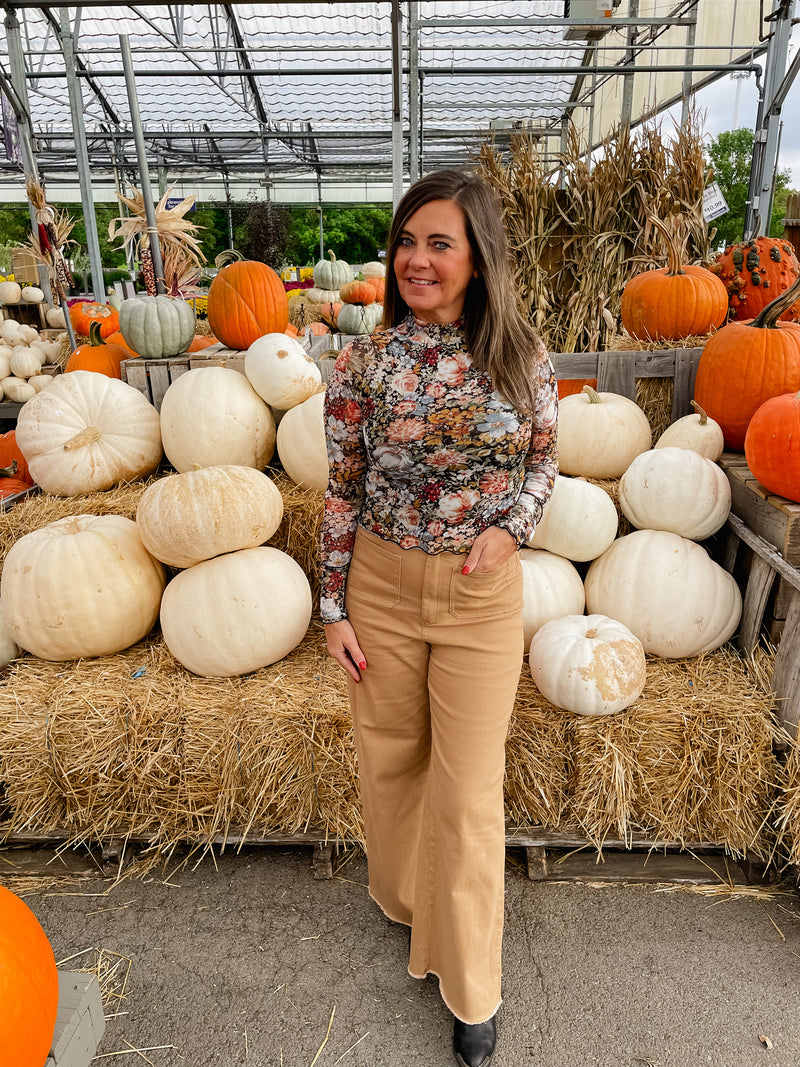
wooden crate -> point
(26, 314)
(772, 517)
(152, 377)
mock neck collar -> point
(437, 331)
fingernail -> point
(465, 569)
(363, 665)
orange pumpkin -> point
(570, 386)
(379, 285)
(10, 453)
(756, 272)
(674, 302)
(10, 484)
(96, 355)
(201, 341)
(318, 329)
(357, 293)
(28, 985)
(292, 331)
(83, 314)
(246, 300)
(119, 341)
(772, 445)
(329, 312)
(746, 363)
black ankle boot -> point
(474, 1045)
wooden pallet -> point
(26, 314)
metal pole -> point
(319, 209)
(627, 81)
(144, 170)
(758, 212)
(82, 157)
(413, 91)
(17, 68)
(691, 34)
(397, 104)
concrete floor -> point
(250, 962)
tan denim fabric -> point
(444, 652)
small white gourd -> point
(28, 333)
(698, 432)
(55, 318)
(17, 390)
(10, 331)
(25, 362)
(32, 294)
(599, 434)
(588, 664)
(40, 381)
(5, 365)
(10, 292)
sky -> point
(730, 104)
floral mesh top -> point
(424, 453)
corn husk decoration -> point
(51, 238)
(181, 253)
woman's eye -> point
(405, 242)
(441, 246)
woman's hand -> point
(343, 646)
(490, 550)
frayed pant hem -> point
(467, 1022)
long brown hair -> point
(500, 340)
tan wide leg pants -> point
(444, 652)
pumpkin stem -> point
(591, 633)
(674, 249)
(700, 412)
(332, 255)
(767, 318)
(10, 471)
(85, 437)
(95, 340)
(594, 396)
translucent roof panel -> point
(304, 92)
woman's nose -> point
(419, 256)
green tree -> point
(354, 234)
(731, 156)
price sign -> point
(714, 202)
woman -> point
(441, 434)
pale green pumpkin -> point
(157, 326)
(332, 274)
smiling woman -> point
(433, 262)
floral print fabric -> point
(424, 452)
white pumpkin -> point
(301, 443)
(184, 519)
(40, 381)
(579, 520)
(87, 432)
(32, 294)
(81, 586)
(373, 269)
(588, 664)
(551, 588)
(356, 319)
(316, 295)
(157, 326)
(281, 371)
(599, 434)
(17, 390)
(212, 416)
(5, 364)
(25, 362)
(55, 318)
(10, 331)
(9, 649)
(698, 432)
(10, 292)
(235, 613)
(677, 490)
(667, 590)
(28, 333)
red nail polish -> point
(465, 569)
(363, 665)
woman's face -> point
(433, 262)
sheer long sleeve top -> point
(425, 453)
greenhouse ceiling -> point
(310, 101)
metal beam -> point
(79, 64)
(397, 103)
(82, 157)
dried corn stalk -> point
(52, 237)
(576, 241)
(182, 255)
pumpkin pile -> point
(755, 273)
(657, 583)
(23, 353)
(340, 301)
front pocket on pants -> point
(482, 595)
(374, 572)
